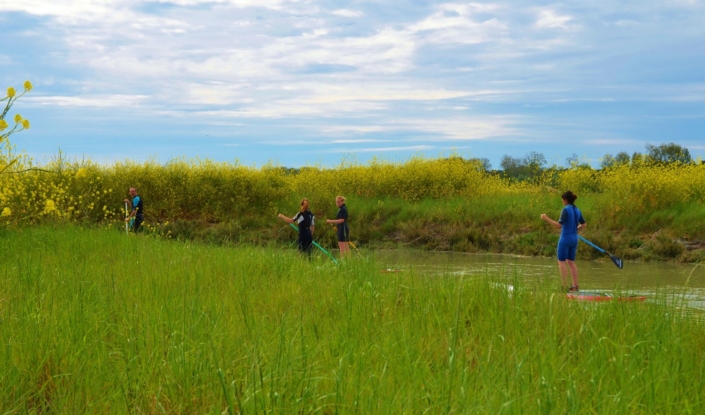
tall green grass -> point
(92, 321)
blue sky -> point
(308, 82)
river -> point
(686, 282)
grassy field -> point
(92, 321)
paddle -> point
(617, 261)
(127, 231)
(317, 246)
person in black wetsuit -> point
(341, 224)
(304, 219)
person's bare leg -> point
(344, 248)
(564, 274)
(573, 272)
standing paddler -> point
(304, 220)
(136, 207)
(341, 225)
(570, 222)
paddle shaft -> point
(592, 245)
(616, 260)
(317, 246)
(127, 228)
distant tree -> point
(637, 159)
(483, 163)
(572, 161)
(622, 158)
(523, 168)
(534, 160)
(509, 163)
(608, 161)
(668, 153)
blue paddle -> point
(617, 261)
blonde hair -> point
(340, 198)
(304, 205)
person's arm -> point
(288, 220)
(313, 225)
(551, 221)
(335, 221)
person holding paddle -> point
(341, 220)
(570, 222)
(305, 222)
(136, 215)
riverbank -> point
(501, 224)
(638, 212)
(98, 322)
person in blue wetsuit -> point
(304, 220)
(570, 222)
(136, 216)
(341, 220)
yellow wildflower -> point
(27, 86)
(49, 206)
(25, 124)
(10, 92)
(18, 118)
(6, 212)
(81, 173)
(3, 124)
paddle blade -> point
(617, 261)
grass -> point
(92, 321)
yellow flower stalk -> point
(49, 206)
(81, 173)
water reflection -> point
(685, 282)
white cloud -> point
(347, 13)
(549, 19)
(379, 149)
(107, 101)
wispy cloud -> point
(549, 19)
(355, 74)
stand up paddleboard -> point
(595, 296)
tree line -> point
(534, 163)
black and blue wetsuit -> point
(571, 217)
(138, 206)
(343, 230)
(304, 221)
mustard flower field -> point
(641, 212)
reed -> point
(93, 321)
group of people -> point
(570, 222)
(304, 221)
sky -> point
(299, 83)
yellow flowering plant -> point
(20, 124)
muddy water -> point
(649, 279)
